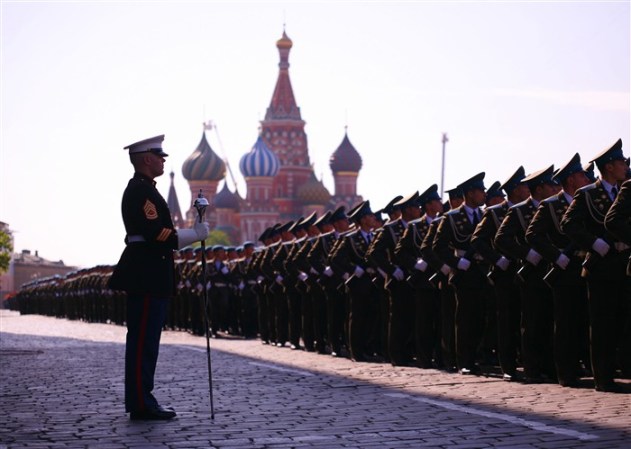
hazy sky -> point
(512, 83)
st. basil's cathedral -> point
(280, 182)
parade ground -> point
(61, 386)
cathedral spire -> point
(174, 205)
(283, 104)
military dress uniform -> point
(330, 282)
(452, 245)
(604, 269)
(399, 321)
(349, 259)
(146, 272)
(536, 297)
(502, 273)
(568, 289)
(426, 305)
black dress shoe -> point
(154, 414)
(610, 387)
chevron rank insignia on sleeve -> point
(151, 213)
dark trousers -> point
(401, 323)
(318, 308)
(335, 317)
(448, 315)
(362, 301)
(469, 324)
(609, 310)
(508, 321)
(570, 332)
(537, 327)
(427, 326)
(146, 316)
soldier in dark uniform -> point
(452, 245)
(219, 278)
(503, 272)
(349, 259)
(263, 302)
(568, 291)
(618, 223)
(247, 285)
(604, 267)
(439, 280)
(146, 272)
(299, 263)
(329, 281)
(277, 286)
(426, 307)
(536, 298)
(380, 255)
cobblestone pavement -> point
(62, 387)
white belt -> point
(135, 238)
(220, 284)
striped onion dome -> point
(260, 161)
(313, 192)
(226, 199)
(345, 158)
(204, 164)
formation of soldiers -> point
(533, 273)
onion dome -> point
(204, 164)
(260, 161)
(313, 192)
(345, 158)
(226, 199)
(284, 42)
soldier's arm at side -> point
(537, 233)
(482, 238)
(573, 223)
(506, 238)
(618, 219)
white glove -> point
(202, 229)
(279, 280)
(563, 261)
(198, 232)
(241, 285)
(463, 264)
(445, 269)
(208, 285)
(303, 276)
(601, 247)
(359, 271)
(328, 272)
(313, 271)
(185, 237)
(345, 276)
(420, 265)
(398, 274)
(533, 257)
(259, 279)
(225, 270)
(502, 263)
(199, 287)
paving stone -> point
(61, 386)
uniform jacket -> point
(146, 267)
(584, 222)
(618, 218)
(483, 239)
(544, 232)
(511, 235)
(380, 253)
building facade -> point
(280, 181)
